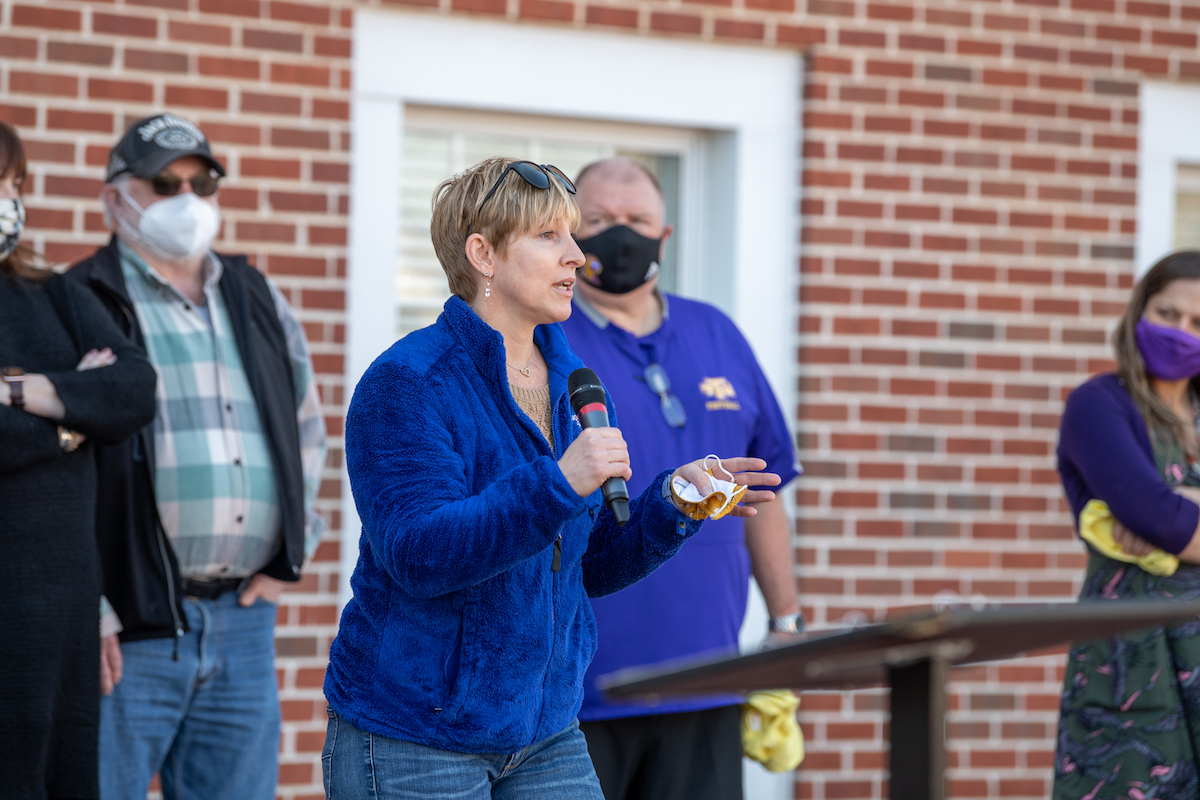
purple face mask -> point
(1169, 353)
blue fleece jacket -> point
(460, 634)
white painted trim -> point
(1168, 122)
(373, 247)
(694, 237)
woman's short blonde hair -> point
(515, 208)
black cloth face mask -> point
(619, 260)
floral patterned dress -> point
(1129, 724)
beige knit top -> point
(536, 405)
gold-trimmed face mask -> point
(717, 503)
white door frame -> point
(1168, 126)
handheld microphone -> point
(587, 401)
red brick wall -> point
(968, 225)
(969, 176)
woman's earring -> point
(487, 290)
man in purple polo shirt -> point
(685, 383)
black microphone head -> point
(583, 388)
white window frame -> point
(1168, 122)
(688, 145)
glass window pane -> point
(430, 156)
(1187, 207)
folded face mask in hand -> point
(714, 505)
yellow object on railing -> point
(770, 733)
(1095, 527)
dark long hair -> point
(1162, 422)
(12, 161)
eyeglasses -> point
(672, 407)
(536, 175)
(165, 184)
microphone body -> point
(587, 401)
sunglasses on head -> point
(536, 175)
(165, 184)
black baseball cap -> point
(152, 143)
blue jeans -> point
(362, 766)
(207, 722)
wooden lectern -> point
(912, 655)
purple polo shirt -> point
(695, 602)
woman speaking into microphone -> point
(457, 670)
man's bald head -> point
(618, 191)
(620, 170)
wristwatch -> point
(788, 623)
(15, 378)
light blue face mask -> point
(12, 222)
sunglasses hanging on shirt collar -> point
(672, 407)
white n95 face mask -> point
(183, 226)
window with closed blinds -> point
(1187, 207)
(435, 148)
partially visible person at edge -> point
(205, 515)
(1130, 710)
(458, 667)
(68, 381)
(686, 382)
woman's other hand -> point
(1190, 492)
(1191, 553)
(597, 455)
(41, 398)
(1129, 542)
(95, 359)
(745, 473)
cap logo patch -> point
(171, 133)
(176, 139)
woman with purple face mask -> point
(1129, 721)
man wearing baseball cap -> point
(206, 513)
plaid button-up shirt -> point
(214, 481)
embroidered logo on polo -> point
(722, 394)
